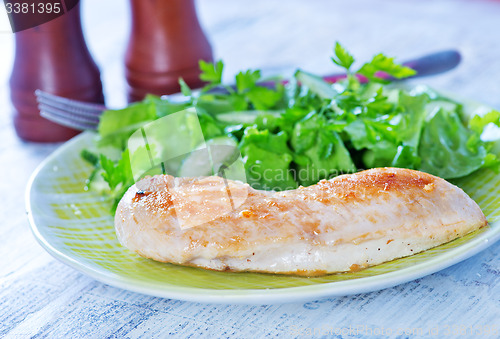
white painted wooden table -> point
(41, 297)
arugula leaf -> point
(342, 57)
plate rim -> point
(256, 296)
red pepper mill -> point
(166, 42)
(52, 57)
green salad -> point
(303, 130)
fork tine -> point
(77, 116)
(67, 119)
(68, 112)
(69, 104)
(70, 108)
(65, 122)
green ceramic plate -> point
(75, 226)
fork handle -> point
(435, 63)
(426, 65)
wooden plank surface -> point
(41, 297)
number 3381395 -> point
(32, 8)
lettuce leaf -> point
(448, 149)
(488, 125)
(267, 160)
(116, 126)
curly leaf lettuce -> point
(449, 150)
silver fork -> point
(85, 116)
(68, 112)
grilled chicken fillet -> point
(346, 223)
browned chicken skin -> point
(346, 223)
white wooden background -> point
(41, 297)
